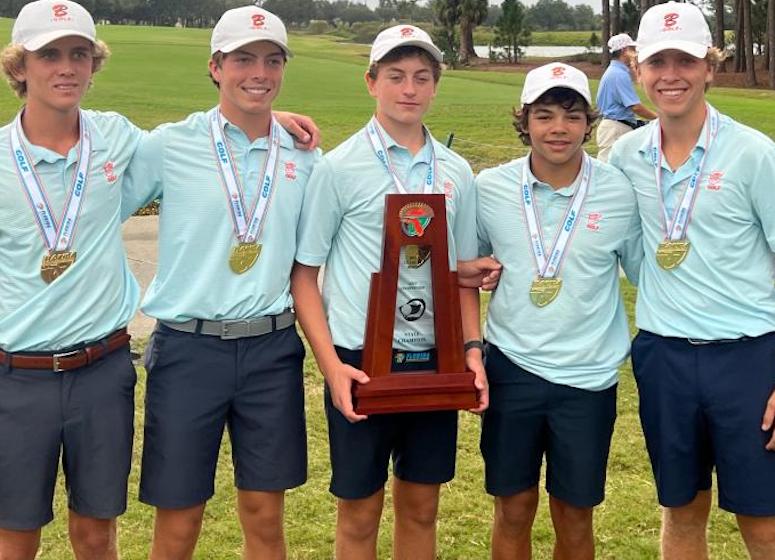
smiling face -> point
(557, 133)
(404, 89)
(57, 75)
(675, 82)
(249, 80)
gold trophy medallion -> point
(244, 256)
(416, 255)
(543, 291)
(55, 263)
(672, 253)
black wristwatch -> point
(473, 344)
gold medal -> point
(544, 290)
(243, 256)
(672, 253)
(55, 263)
(416, 255)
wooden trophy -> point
(419, 222)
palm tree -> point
(472, 13)
(616, 18)
(718, 32)
(750, 66)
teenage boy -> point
(556, 326)
(66, 291)
(225, 351)
(617, 101)
(704, 358)
(341, 227)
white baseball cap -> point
(240, 26)
(402, 36)
(554, 75)
(619, 42)
(41, 22)
(673, 26)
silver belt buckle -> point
(56, 357)
(231, 330)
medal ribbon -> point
(549, 267)
(380, 149)
(57, 236)
(246, 227)
(680, 220)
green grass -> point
(158, 75)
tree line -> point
(744, 28)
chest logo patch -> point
(593, 221)
(110, 175)
(715, 180)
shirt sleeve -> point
(143, 180)
(321, 214)
(762, 195)
(624, 90)
(631, 249)
(483, 237)
(464, 228)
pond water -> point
(482, 51)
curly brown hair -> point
(565, 98)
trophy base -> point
(416, 392)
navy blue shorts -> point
(422, 444)
(701, 406)
(86, 415)
(199, 384)
(529, 417)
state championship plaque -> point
(419, 223)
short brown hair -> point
(565, 98)
(399, 53)
(13, 62)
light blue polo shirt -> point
(581, 338)
(616, 93)
(176, 162)
(724, 288)
(341, 227)
(97, 294)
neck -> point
(254, 126)
(55, 130)
(557, 176)
(411, 136)
(680, 135)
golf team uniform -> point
(556, 326)
(704, 358)
(341, 226)
(225, 351)
(66, 296)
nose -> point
(409, 89)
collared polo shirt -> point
(97, 294)
(724, 288)
(177, 163)
(341, 227)
(581, 338)
(616, 93)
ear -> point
(215, 70)
(19, 72)
(371, 84)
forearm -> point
(311, 315)
(642, 111)
(469, 311)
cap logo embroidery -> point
(60, 10)
(671, 20)
(407, 32)
(558, 72)
(258, 21)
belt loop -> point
(274, 323)
(198, 329)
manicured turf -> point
(160, 74)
